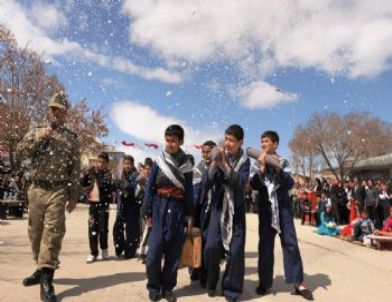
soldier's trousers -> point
(98, 227)
(291, 255)
(46, 223)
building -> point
(374, 167)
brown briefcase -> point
(191, 251)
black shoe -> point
(230, 299)
(154, 296)
(129, 253)
(169, 296)
(127, 256)
(260, 290)
(194, 276)
(34, 279)
(47, 289)
(203, 283)
(118, 252)
(211, 292)
(305, 293)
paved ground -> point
(336, 270)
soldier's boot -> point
(47, 289)
(34, 279)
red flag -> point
(155, 146)
(128, 144)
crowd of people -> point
(353, 208)
(100, 190)
(12, 187)
(172, 196)
(160, 202)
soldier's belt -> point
(47, 184)
(171, 192)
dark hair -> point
(176, 131)
(148, 161)
(210, 144)
(104, 156)
(130, 158)
(236, 131)
(272, 135)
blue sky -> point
(207, 64)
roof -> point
(375, 162)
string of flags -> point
(150, 145)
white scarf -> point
(228, 208)
(273, 194)
(166, 159)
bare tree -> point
(89, 125)
(25, 89)
(342, 140)
(304, 151)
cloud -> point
(261, 94)
(143, 123)
(47, 16)
(350, 38)
(29, 29)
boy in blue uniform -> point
(227, 177)
(201, 201)
(275, 217)
(128, 212)
(168, 202)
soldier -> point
(55, 166)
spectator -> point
(327, 223)
(384, 202)
(338, 201)
(354, 209)
(319, 187)
(321, 206)
(359, 193)
(388, 222)
(363, 228)
(371, 203)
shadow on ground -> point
(314, 282)
(82, 286)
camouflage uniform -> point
(55, 169)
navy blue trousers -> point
(293, 269)
(233, 277)
(126, 230)
(166, 239)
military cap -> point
(59, 100)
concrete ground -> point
(336, 270)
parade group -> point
(160, 202)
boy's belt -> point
(171, 192)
